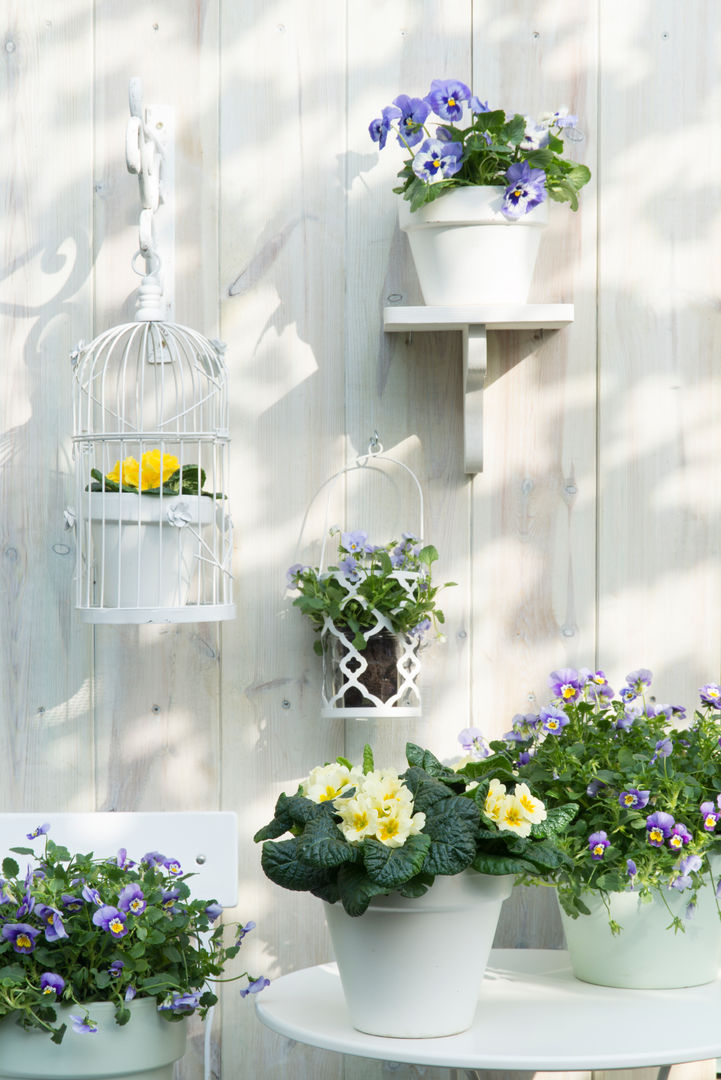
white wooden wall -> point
(592, 537)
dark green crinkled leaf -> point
(557, 821)
(501, 864)
(392, 867)
(426, 790)
(282, 865)
(452, 824)
(355, 888)
(322, 844)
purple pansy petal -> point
(51, 984)
(255, 986)
(437, 159)
(446, 97)
(21, 936)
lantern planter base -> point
(412, 968)
(146, 1048)
(147, 549)
(645, 955)
(377, 681)
(466, 252)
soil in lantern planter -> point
(380, 678)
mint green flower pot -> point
(645, 955)
(144, 1049)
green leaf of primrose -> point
(356, 889)
(323, 846)
(344, 761)
(392, 867)
(451, 824)
(280, 863)
(368, 763)
(500, 864)
(558, 818)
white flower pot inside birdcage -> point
(147, 550)
(380, 680)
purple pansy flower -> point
(414, 113)
(420, 628)
(597, 844)
(633, 799)
(153, 858)
(354, 542)
(526, 189)
(110, 919)
(52, 922)
(446, 97)
(213, 911)
(711, 694)
(710, 814)
(687, 866)
(116, 968)
(168, 899)
(51, 983)
(132, 899)
(680, 835)
(173, 867)
(552, 719)
(130, 992)
(379, 128)
(40, 830)
(664, 747)
(181, 1003)
(244, 930)
(638, 679)
(83, 1025)
(477, 106)
(72, 903)
(255, 986)
(21, 936)
(631, 868)
(349, 568)
(91, 895)
(594, 786)
(566, 684)
(627, 693)
(436, 158)
(658, 827)
(473, 742)
(292, 574)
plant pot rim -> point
(133, 507)
(477, 204)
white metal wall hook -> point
(149, 154)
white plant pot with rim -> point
(145, 547)
(143, 1049)
(467, 252)
(646, 955)
(413, 968)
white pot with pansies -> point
(412, 870)
(639, 892)
(474, 190)
(101, 961)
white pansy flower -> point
(512, 817)
(533, 808)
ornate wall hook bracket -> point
(149, 154)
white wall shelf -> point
(473, 322)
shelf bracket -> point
(474, 322)
(475, 363)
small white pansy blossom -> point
(326, 782)
(533, 808)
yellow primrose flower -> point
(512, 817)
(326, 782)
(533, 808)
(494, 799)
(359, 818)
(393, 831)
(125, 475)
(156, 468)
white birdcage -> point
(380, 680)
(154, 534)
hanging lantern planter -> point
(154, 533)
(371, 610)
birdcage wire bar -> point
(156, 393)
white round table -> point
(532, 1014)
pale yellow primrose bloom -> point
(359, 818)
(381, 807)
(533, 808)
(494, 799)
(328, 781)
(512, 817)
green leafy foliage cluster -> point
(457, 835)
(603, 753)
(169, 952)
(491, 144)
(366, 580)
(190, 480)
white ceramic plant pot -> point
(143, 1049)
(645, 955)
(412, 969)
(145, 548)
(465, 250)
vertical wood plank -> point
(283, 277)
(157, 687)
(659, 336)
(45, 306)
